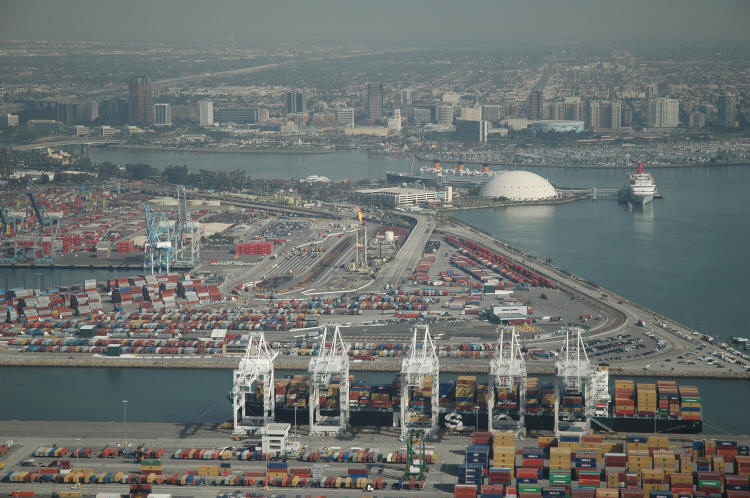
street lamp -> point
(78, 462)
(125, 419)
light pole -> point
(78, 462)
(125, 419)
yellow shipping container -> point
(338, 482)
(70, 494)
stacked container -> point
(624, 397)
(690, 403)
(647, 399)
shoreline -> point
(224, 363)
(234, 150)
(588, 166)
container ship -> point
(436, 176)
(648, 408)
(640, 189)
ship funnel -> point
(460, 167)
(436, 165)
(485, 168)
(640, 167)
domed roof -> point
(518, 186)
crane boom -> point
(35, 207)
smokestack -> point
(436, 165)
(460, 167)
(485, 168)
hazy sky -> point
(417, 22)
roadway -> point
(67, 142)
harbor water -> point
(199, 395)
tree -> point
(139, 171)
(176, 174)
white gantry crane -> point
(577, 375)
(186, 233)
(507, 372)
(421, 363)
(12, 230)
(47, 249)
(254, 409)
(332, 361)
(158, 250)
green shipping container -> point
(715, 484)
(529, 488)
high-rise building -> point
(471, 113)
(555, 111)
(67, 112)
(263, 115)
(536, 104)
(345, 116)
(627, 117)
(206, 112)
(374, 101)
(728, 111)
(421, 116)
(471, 131)
(444, 114)
(406, 96)
(141, 111)
(574, 109)
(663, 113)
(163, 114)
(294, 102)
(604, 115)
(491, 113)
(394, 124)
(652, 91)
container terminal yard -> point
(219, 281)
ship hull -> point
(451, 419)
(640, 199)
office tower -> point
(536, 104)
(374, 101)
(491, 113)
(421, 116)
(8, 120)
(206, 112)
(471, 113)
(444, 114)
(728, 111)
(406, 97)
(140, 108)
(663, 113)
(471, 131)
(294, 102)
(163, 114)
(345, 116)
(652, 91)
(263, 115)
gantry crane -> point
(158, 251)
(12, 229)
(332, 361)
(186, 252)
(577, 376)
(421, 364)
(254, 409)
(507, 372)
(48, 222)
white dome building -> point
(519, 186)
